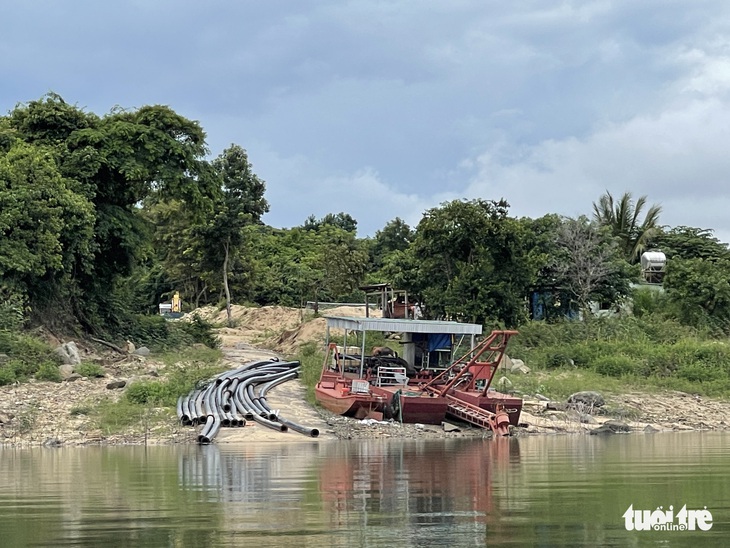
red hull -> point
(415, 406)
(334, 393)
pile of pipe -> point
(237, 396)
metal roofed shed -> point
(403, 326)
(415, 332)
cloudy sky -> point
(385, 108)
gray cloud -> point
(384, 109)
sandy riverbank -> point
(38, 413)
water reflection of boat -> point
(414, 480)
(390, 386)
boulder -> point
(69, 353)
(448, 427)
(587, 398)
(142, 351)
(612, 427)
(66, 370)
(585, 418)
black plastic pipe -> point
(306, 430)
(234, 397)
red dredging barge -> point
(388, 386)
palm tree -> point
(622, 217)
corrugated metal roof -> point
(403, 326)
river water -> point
(571, 490)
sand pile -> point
(281, 329)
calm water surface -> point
(535, 491)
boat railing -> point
(391, 376)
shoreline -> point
(61, 414)
(56, 426)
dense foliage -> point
(103, 217)
(651, 350)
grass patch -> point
(620, 354)
(26, 356)
(48, 371)
(118, 416)
(560, 383)
(81, 410)
(193, 357)
(147, 401)
(89, 369)
(311, 358)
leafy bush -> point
(198, 331)
(160, 334)
(26, 354)
(557, 359)
(147, 392)
(89, 369)
(647, 301)
(12, 310)
(48, 371)
(147, 330)
(311, 359)
(7, 375)
(700, 372)
(615, 366)
(24, 347)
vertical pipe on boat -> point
(362, 354)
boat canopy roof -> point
(403, 325)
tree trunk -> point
(199, 294)
(226, 248)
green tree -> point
(623, 217)
(698, 291)
(242, 203)
(115, 162)
(179, 258)
(469, 261)
(43, 223)
(295, 265)
(395, 236)
(685, 242)
(340, 220)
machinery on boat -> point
(371, 386)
